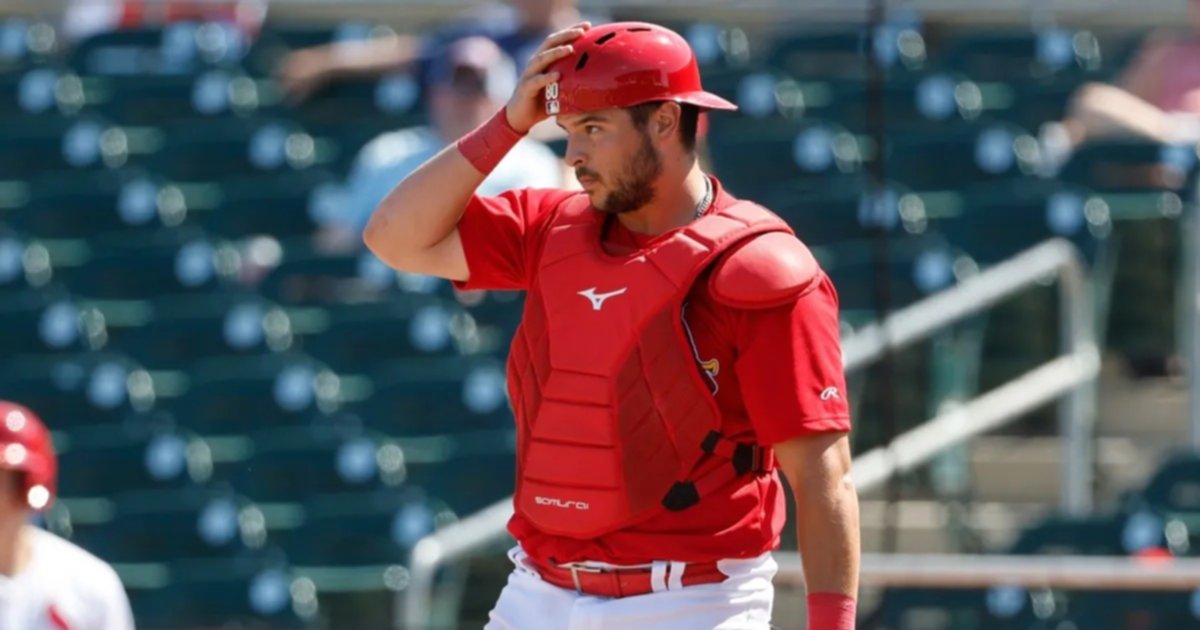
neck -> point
(14, 544)
(671, 208)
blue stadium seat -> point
(66, 205)
(943, 157)
(234, 147)
(752, 155)
(279, 205)
(169, 262)
(309, 278)
(239, 395)
(437, 395)
(846, 52)
(176, 524)
(78, 390)
(291, 464)
(49, 322)
(183, 329)
(362, 336)
(180, 48)
(253, 591)
(102, 462)
(365, 529)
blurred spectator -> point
(518, 31)
(1157, 97)
(82, 18)
(469, 84)
(45, 581)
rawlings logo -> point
(559, 503)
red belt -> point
(601, 582)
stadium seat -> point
(1043, 53)
(66, 205)
(752, 155)
(310, 278)
(897, 47)
(175, 524)
(24, 262)
(180, 48)
(32, 146)
(234, 147)
(365, 529)
(48, 322)
(943, 157)
(278, 205)
(239, 395)
(436, 395)
(290, 464)
(362, 336)
(846, 213)
(1131, 165)
(169, 262)
(102, 462)
(78, 390)
(153, 100)
(183, 329)
(253, 591)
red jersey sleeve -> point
(789, 366)
(499, 235)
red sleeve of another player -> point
(790, 367)
(499, 233)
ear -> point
(664, 123)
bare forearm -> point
(369, 58)
(828, 534)
(423, 209)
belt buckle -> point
(575, 568)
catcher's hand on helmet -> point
(527, 107)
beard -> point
(633, 187)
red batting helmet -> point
(26, 448)
(626, 64)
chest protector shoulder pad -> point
(612, 412)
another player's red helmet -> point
(626, 64)
(25, 447)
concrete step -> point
(925, 526)
(1150, 411)
(1030, 469)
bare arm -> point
(817, 468)
(414, 228)
(305, 71)
(1143, 77)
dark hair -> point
(689, 120)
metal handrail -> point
(1099, 573)
(1072, 374)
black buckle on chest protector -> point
(681, 496)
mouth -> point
(587, 182)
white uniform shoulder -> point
(90, 588)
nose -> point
(575, 157)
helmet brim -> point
(705, 100)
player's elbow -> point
(381, 241)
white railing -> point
(1062, 572)
(1071, 375)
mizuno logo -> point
(559, 503)
(829, 393)
(598, 299)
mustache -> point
(583, 172)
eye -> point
(590, 129)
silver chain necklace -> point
(706, 200)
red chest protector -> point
(612, 413)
